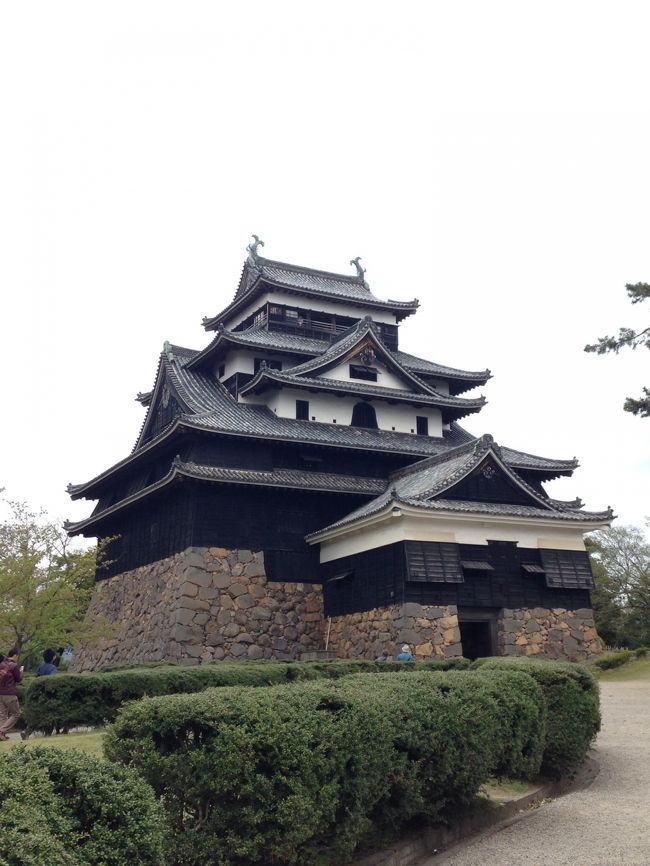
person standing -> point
(10, 676)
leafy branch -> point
(630, 339)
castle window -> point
(221, 370)
(302, 410)
(422, 425)
(364, 415)
(368, 374)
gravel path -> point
(607, 824)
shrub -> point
(573, 708)
(66, 801)
(70, 700)
(303, 773)
(65, 701)
(32, 829)
(613, 660)
(641, 652)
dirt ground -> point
(606, 824)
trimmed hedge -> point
(613, 660)
(65, 808)
(573, 707)
(302, 774)
(65, 701)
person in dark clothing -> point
(10, 676)
(49, 666)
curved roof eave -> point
(314, 481)
(270, 376)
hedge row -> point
(72, 700)
(64, 808)
(573, 707)
(303, 774)
(613, 659)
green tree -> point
(628, 337)
(45, 585)
(621, 563)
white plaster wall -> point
(238, 361)
(385, 378)
(243, 361)
(401, 418)
(329, 409)
(314, 304)
(324, 407)
(459, 530)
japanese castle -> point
(302, 485)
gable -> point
(161, 414)
(364, 353)
(360, 368)
(489, 483)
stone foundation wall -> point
(569, 635)
(430, 632)
(203, 605)
(208, 604)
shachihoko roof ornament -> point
(360, 271)
(252, 250)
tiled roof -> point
(307, 281)
(285, 478)
(258, 337)
(498, 508)
(522, 460)
(423, 485)
(295, 478)
(360, 334)
(325, 282)
(215, 409)
(430, 368)
(267, 375)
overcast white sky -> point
(491, 159)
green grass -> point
(638, 669)
(92, 743)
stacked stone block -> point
(209, 604)
(431, 632)
(203, 605)
(569, 635)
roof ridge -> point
(288, 377)
(434, 460)
(357, 332)
(304, 269)
(573, 461)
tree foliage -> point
(45, 585)
(629, 338)
(621, 562)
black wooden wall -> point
(378, 577)
(203, 514)
(488, 484)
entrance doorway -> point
(478, 633)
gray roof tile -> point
(307, 281)
(423, 485)
(295, 478)
(464, 405)
(285, 478)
